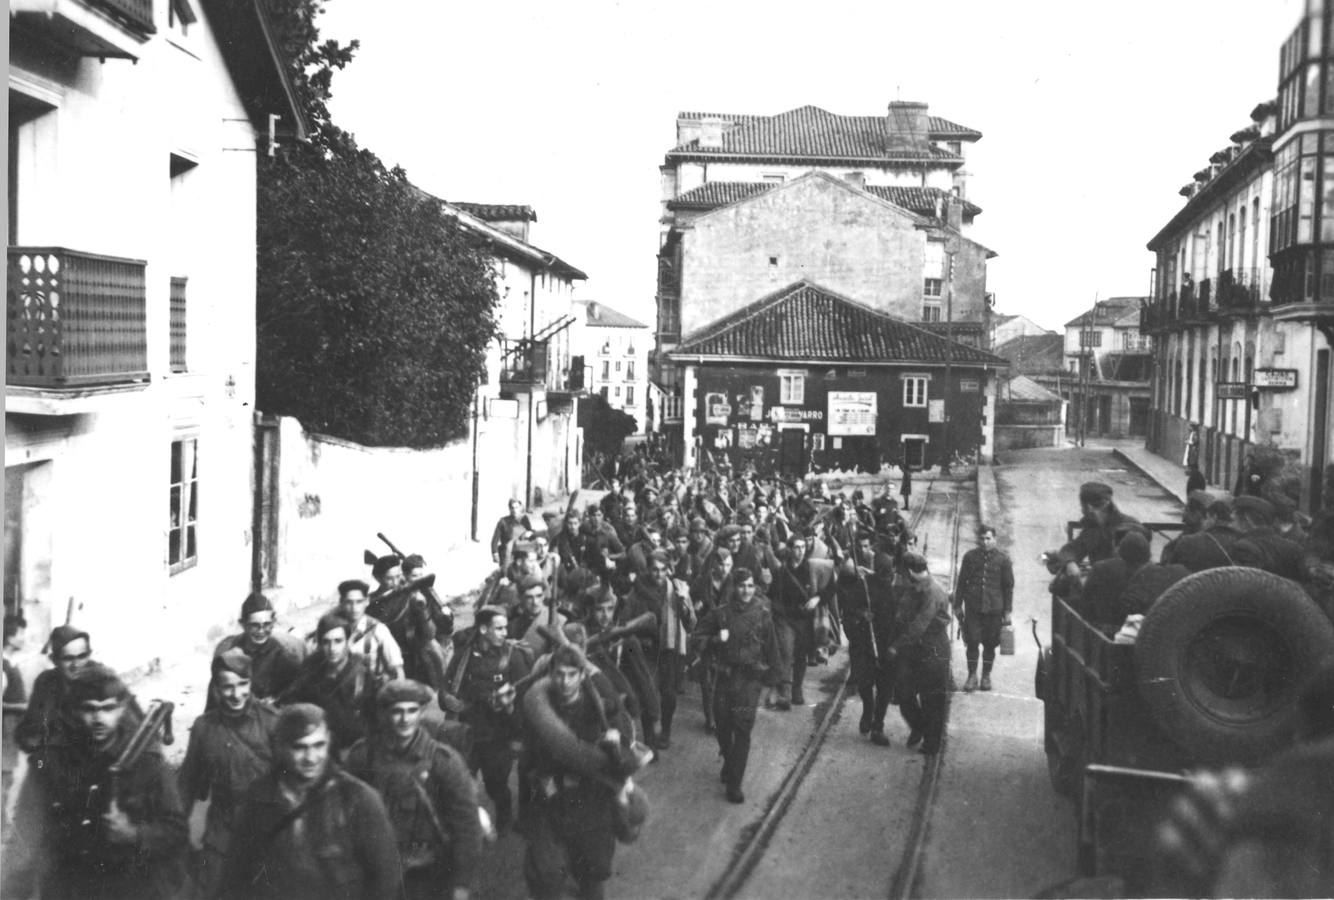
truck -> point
(1213, 679)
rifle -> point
(158, 717)
(434, 604)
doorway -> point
(914, 451)
(792, 452)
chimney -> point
(954, 212)
(711, 133)
(907, 129)
(594, 311)
(856, 179)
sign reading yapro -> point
(852, 413)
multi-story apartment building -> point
(134, 129)
(871, 209)
(1109, 362)
(615, 351)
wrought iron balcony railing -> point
(74, 319)
(1239, 289)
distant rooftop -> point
(600, 315)
(498, 212)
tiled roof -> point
(1024, 389)
(1034, 353)
(805, 322)
(1109, 311)
(498, 212)
(921, 200)
(809, 131)
(937, 128)
(601, 315)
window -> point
(618, 365)
(606, 369)
(773, 260)
(617, 393)
(914, 390)
(176, 324)
(933, 259)
(930, 312)
(931, 287)
(629, 395)
(182, 551)
(180, 16)
(605, 349)
(955, 147)
(791, 387)
(630, 370)
(774, 179)
(603, 391)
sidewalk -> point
(1169, 475)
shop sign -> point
(1280, 379)
(1232, 390)
(968, 386)
(852, 413)
(783, 414)
(935, 410)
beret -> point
(64, 634)
(234, 660)
(569, 655)
(329, 621)
(1133, 548)
(385, 563)
(1256, 507)
(528, 582)
(94, 682)
(403, 690)
(253, 603)
(913, 560)
(295, 721)
(727, 532)
(1093, 491)
(698, 524)
(660, 556)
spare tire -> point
(1221, 659)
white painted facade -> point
(616, 361)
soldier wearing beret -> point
(1261, 546)
(275, 655)
(1099, 522)
(229, 749)
(338, 680)
(79, 833)
(307, 830)
(44, 723)
(428, 791)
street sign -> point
(1232, 390)
(1280, 379)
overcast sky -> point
(1093, 115)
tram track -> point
(753, 845)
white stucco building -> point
(615, 352)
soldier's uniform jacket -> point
(673, 612)
(77, 860)
(225, 756)
(1208, 549)
(421, 784)
(274, 664)
(760, 560)
(1266, 549)
(488, 670)
(751, 650)
(1096, 542)
(986, 581)
(339, 845)
(347, 696)
(923, 619)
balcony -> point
(672, 408)
(101, 28)
(74, 320)
(523, 364)
(1239, 291)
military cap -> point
(914, 562)
(1133, 548)
(94, 682)
(698, 524)
(676, 531)
(528, 582)
(235, 660)
(253, 603)
(1254, 507)
(65, 634)
(660, 556)
(1094, 492)
(569, 655)
(1201, 500)
(403, 690)
(385, 563)
(329, 621)
(295, 721)
(727, 532)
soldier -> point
(757, 557)
(658, 593)
(573, 827)
(229, 749)
(307, 830)
(428, 791)
(507, 531)
(527, 613)
(793, 601)
(741, 635)
(338, 680)
(983, 602)
(922, 655)
(45, 723)
(1099, 522)
(480, 691)
(1261, 546)
(710, 590)
(1208, 534)
(369, 636)
(867, 603)
(79, 832)
(275, 656)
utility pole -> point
(949, 360)
(1085, 369)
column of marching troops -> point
(346, 763)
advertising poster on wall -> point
(935, 411)
(852, 413)
(717, 411)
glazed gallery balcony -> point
(74, 319)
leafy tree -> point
(605, 429)
(374, 307)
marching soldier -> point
(46, 721)
(84, 835)
(275, 656)
(369, 637)
(428, 791)
(307, 830)
(741, 635)
(658, 593)
(337, 680)
(922, 654)
(229, 749)
(507, 531)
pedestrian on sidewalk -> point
(1190, 456)
(983, 602)
(905, 486)
(1194, 479)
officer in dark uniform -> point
(480, 690)
(79, 833)
(741, 636)
(983, 601)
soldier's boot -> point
(784, 698)
(986, 676)
(971, 684)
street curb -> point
(1129, 461)
(988, 495)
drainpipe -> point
(532, 330)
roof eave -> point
(1253, 159)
